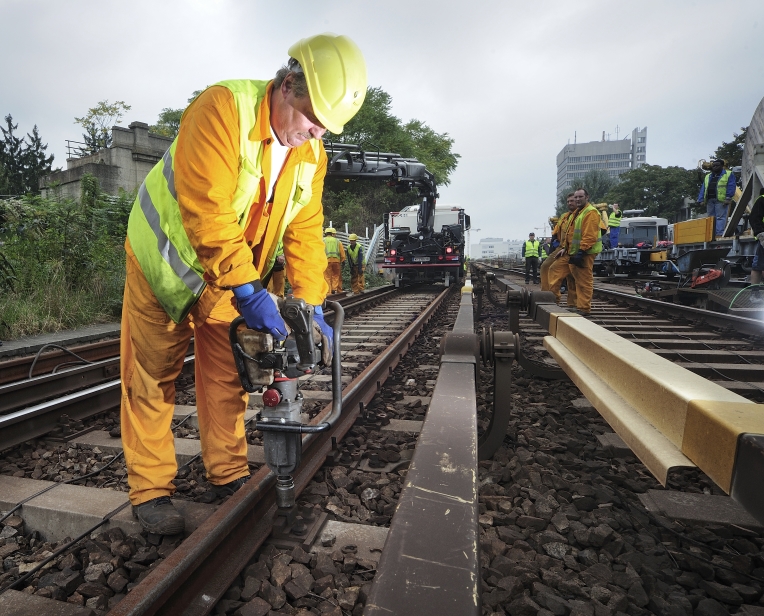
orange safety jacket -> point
(207, 174)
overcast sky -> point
(510, 81)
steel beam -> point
(431, 564)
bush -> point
(62, 262)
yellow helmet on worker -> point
(335, 72)
(329, 231)
(352, 237)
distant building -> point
(615, 157)
(124, 164)
(494, 248)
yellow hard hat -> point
(329, 230)
(336, 75)
(352, 237)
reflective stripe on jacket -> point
(721, 186)
(332, 245)
(532, 248)
(578, 234)
(156, 229)
(355, 255)
(614, 220)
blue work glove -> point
(578, 259)
(259, 310)
(327, 334)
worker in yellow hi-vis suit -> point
(244, 175)
(356, 262)
(335, 257)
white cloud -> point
(510, 81)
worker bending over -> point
(244, 174)
(356, 263)
(335, 257)
(756, 218)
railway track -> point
(725, 349)
(374, 341)
(563, 521)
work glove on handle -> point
(760, 237)
(259, 310)
(578, 259)
(327, 335)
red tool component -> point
(271, 397)
(706, 278)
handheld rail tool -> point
(274, 367)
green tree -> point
(22, 160)
(168, 123)
(732, 152)
(36, 162)
(660, 191)
(375, 128)
(12, 157)
(97, 123)
(597, 183)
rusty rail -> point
(192, 579)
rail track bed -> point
(565, 524)
(371, 462)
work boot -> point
(159, 516)
(216, 492)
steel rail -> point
(35, 421)
(192, 579)
(743, 325)
(17, 368)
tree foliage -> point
(168, 123)
(97, 123)
(597, 183)
(374, 128)
(732, 151)
(22, 160)
(660, 191)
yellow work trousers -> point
(357, 281)
(333, 275)
(276, 283)
(558, 271)
(584, 277)
(153, 348)
(544, 269)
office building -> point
(615, 157)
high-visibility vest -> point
(721, 186)
(614, 220)
(597, 247)
(332, 246)
(355, 255)
(532, 248)
(155, 230)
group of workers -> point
(337, 255)
(235, 200)
(569, 258)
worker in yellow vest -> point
(356, 263)
(532, 251)
(244, 175)
(614, 225)
(335, 257)
(583, 242)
